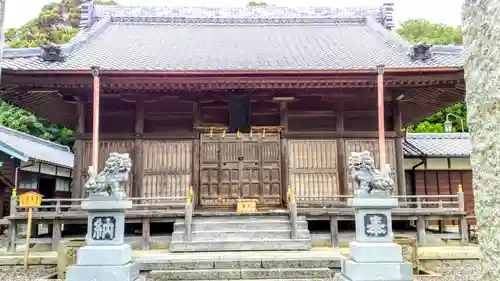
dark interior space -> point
(47, 186)
(239, 114)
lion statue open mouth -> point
(111, 180)
(368, 178)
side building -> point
(40, 165)
(437, 163)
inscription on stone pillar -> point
(103, 228)
(376, 225)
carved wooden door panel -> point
(239, 167)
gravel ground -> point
(449, 272)
(18, 274)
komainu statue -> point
(368, 178)
(111, 180)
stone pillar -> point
(374, 255)
(106, 257)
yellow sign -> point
(246, 206)
(30, 200)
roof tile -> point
(236, 39)
(438, 144)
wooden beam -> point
(230, 83)
(132, 136)
(333, 135)
(138, 149)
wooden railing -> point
(429, 202)
(55, 209)
(67, 205)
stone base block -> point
(372, 203)
(355, 271)
(375, 252)
(128, 272)
(104, 255)
(105, 203)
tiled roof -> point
(26, 147)
(438, 144)
(235, 39)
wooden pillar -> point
(12, 236)
(195, 158)
(334, 231)
(138, 166)
(341, 157)
(284, 150)
(146, 233)
(400, 169)
(463, 229)
(56, 234)
(78, 191)
(420, 231)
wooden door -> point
(240, 166)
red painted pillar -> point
(381, 116)
(95, 117)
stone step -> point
(240, 234)
(235, 225)
(246, 217)
(241, 274)
(302, 279)
(241, 245)
(232, 260)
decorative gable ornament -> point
(420, 51)
(52, 53)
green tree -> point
(58, 23)
(23, 121)
(420, 30)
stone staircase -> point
(241, 233)
(256, 266)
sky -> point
(447, 12)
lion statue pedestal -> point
(106, 257)
(373, 255)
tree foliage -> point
(23, 121)
(424, 31)
(421, 30)
(58, 23)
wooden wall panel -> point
(446, 182)
(313, 169)
(105, 148)
(167, 168)
(358, 145)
